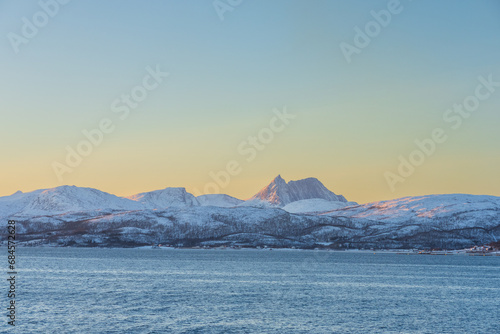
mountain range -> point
(301, 214)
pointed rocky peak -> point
(273, 192)
(280, 193)
(279, 179)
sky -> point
(376, 99)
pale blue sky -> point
(352, 122)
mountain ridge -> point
(278, 193)
(69, 215)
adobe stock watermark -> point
(223, 6)
(248, 149)
(454, 117)
(122, 106)
(373, 28)
(31, 26)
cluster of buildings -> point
(482, 249)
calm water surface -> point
(72, 290)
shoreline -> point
(462, 252)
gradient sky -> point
(352, 120)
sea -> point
(145, 290)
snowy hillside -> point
(425, 208)
(315, 205)
(220, 200)
(168, 197)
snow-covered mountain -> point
(280, 193)
(168, 197)
(220, 200)
(62, 199)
